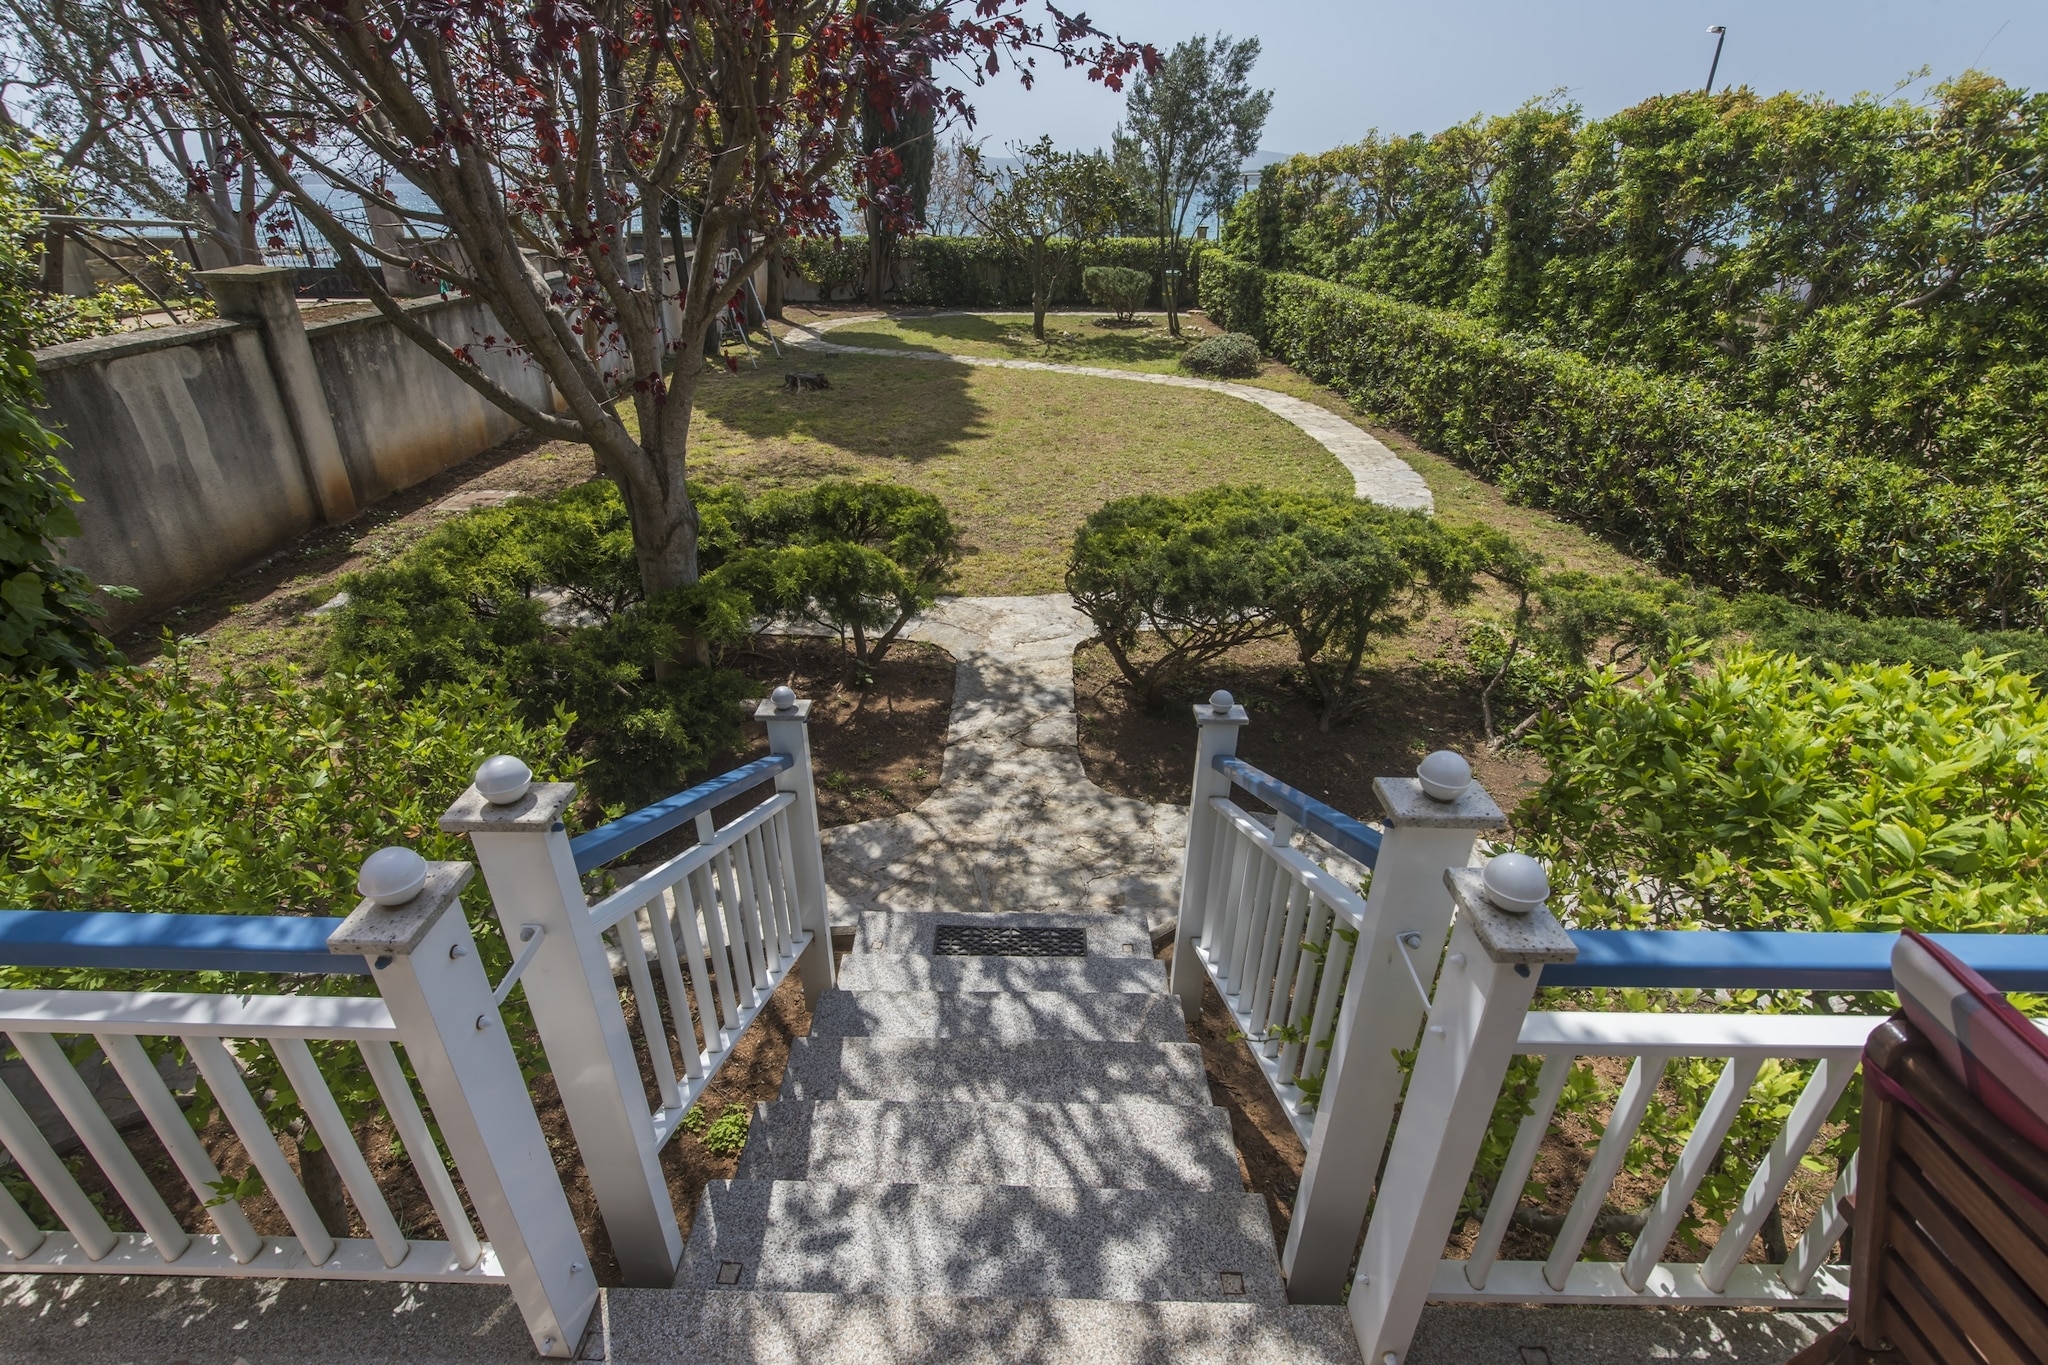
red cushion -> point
(1996, 1051)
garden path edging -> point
(1377, 473)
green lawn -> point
(1019, 458)
(1069, 339)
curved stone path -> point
(1015, 824)
(1377, 473)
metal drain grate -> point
(1007, 940)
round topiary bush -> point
(1230, 356)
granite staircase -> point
(985, 1158)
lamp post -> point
(1720, 32)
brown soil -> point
(1425, 697)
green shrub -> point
(467, 602)
(260, 794)
(828, 262)
(858, 558)
(1772, 623)
(1760, 791)
(1121, 291)
(1209, 572)
(976, 272)
(1230, 356)
(1656, 463)
(1184, 571)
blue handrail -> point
(1352, 837)
(628, 832)
(113, 940)
(1735, 960)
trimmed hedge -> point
(974, 272)
(1654, 461)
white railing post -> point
(1217, 721)
(1382, 1012)
(524, 849)
(426, 967)
(789, 732)
(1489, 978)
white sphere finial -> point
(392, 876)
(1221, 700)
(1444, 775)
(783, 699)
(1516, 883)
(503, 780)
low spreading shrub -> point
(1230, 356)
(545, 593)
(1121, 291)
(857, 558)
(1657, 463)
(1169, 583)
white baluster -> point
(1218, 722)
(1514, 1176)
(1423, 836)
(523, 848)
(1489, 978)
(1701, 1149)
(1829, 1080)
(1634, 1101)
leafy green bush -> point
(1121, 291)
(1184, 571)
(1657, 463)
(1760, 791)
(1224, 567)
(260, 794)
(1772, 623)
(858, 558)
(1230, 356)
(975, 272)
(500, 593)
(46, 608)
(828, 262)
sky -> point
(1340, 67)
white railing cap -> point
(375, 931)
(1404, 803)
(539, 811)
(1534, 937)
(783, 704)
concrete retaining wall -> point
(201, 448)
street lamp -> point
(1720, 32)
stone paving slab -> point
(1000, 1016)
(649, 1327)
(976, 1072)
(1130, 1145)
(983, 1241)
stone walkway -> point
(1377, 473)
(1015, 823)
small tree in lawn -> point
(1046, 209)
(1188, 127)
(542, 139)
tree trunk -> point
(773, 303)
(53, 260)
(1041, 290)
(324, 1188)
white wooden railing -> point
(720, 924)
(1319, 977)
(435, 1006)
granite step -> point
(1129, 1145)
(1055, 1071)
(1067, 975)
(754, 1327)
(914, 931)
(983, 1242)
(1000, 1016)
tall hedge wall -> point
(1655, 462)
(972, 272)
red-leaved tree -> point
(553, 148)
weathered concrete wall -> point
(194, 460)
(401, 416)
(179, 442)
